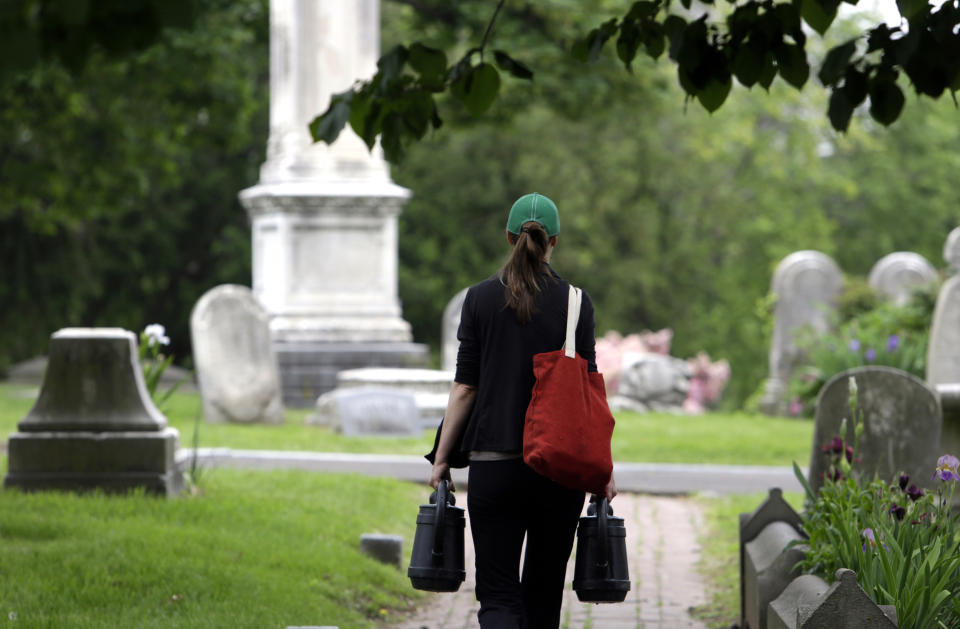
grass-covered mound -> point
(250, 549)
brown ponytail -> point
(522, 273)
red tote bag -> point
(568, 426)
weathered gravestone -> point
(451, 323)
(901, 424)
(897, 275)
(943, 355)
(234, 357)
(364, 412)
(93, 424)
(806, 284)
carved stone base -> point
(112, 461)
(307, 370)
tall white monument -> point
(324, 218)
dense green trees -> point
(118, 184)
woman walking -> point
(506, 319)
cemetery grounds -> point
(278, 548)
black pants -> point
(507, 499)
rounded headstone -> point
(233, 352)
(897, 275)
(951, 249)
(901, 419)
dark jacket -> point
(496, 356)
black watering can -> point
(436, 562)
(600, 574)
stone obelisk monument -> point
(324, 218)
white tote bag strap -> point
(573, 316)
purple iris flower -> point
(893, 343)
(870, 354)
(835, 446)
(869, 538)
(903, 480)
(914, 493)
(854, 345)
(947, 468)
(897, 511)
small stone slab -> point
(366, 412)
(902, 422)
(386, 549)
(846, 605)
(805, 591)
(770, 564)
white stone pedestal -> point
(324, 218)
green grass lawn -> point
(253, 549)
(726, 438)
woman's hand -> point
(441, 471)
(610, 490)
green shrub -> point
(874, 332)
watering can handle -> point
(439, 517)
(604, 562)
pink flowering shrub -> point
(707, 382)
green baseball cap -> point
(534, 207)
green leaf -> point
(478, 88)
(512, 66)
(328, 125)
(886, 100)
(768, 72)
(429, 63)
(654, 39)
(715, 93)
(390, 65)
(818, 14)
(391, 138)
(359, 110)
(628, 42)
(910, 9)
(643, 9)
(839, 110)
(855, 86)
(417, 111)
(836, 62)
(792, 62)
(748, 62)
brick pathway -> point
(663, 552)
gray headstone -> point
(897, 275)
(901, 418)
(234, 357)
(951, 249)
(451, 322)
(93, 424)
(806, 284)
(386, 549)
(806, 591)
(377, 412)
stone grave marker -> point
(897, 275)
(943, 353)
(93, 424)
(901, 418)
(235, 362)
(448, 333)
(806, 284)
(377, 412)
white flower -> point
(156, 334)
(12, 615)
